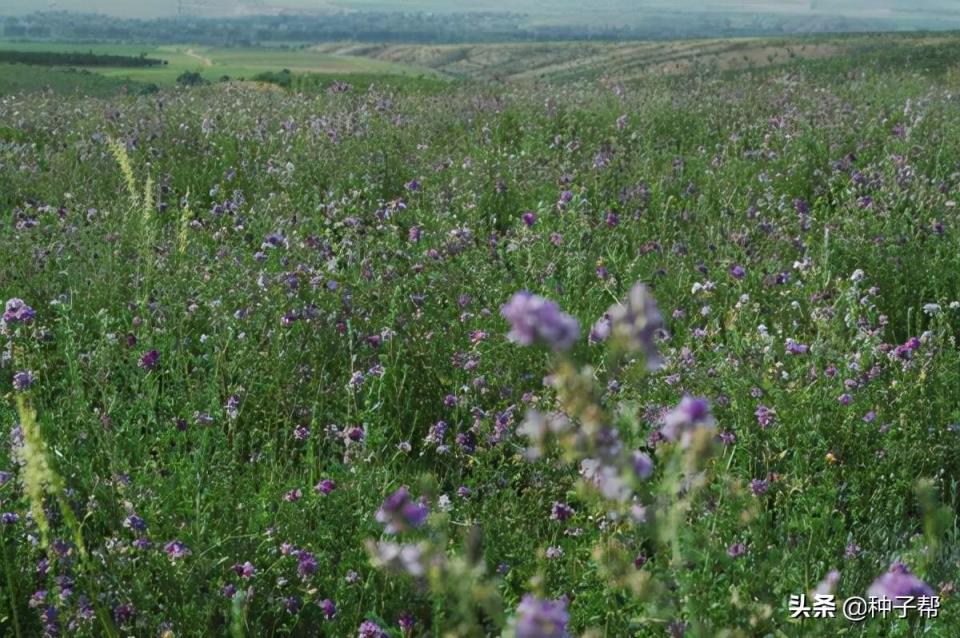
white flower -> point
(444, 503)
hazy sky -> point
(152, 8)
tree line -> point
(51, 58)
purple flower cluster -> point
(17, 311)
(149, 360)
(22, 380)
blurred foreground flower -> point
(537, 618)
(535, 319)
(540, 428)
(400, 512)
(684, 421)
(634, 324)
(897, 583)
(397, 558)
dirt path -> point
(203, 60)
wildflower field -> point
(589, 358)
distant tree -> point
(190, 78)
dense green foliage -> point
(52, 58)
(320, 274)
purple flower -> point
(642, 464)
(291, 604)
(898, 582)
(467, 441)
(906, 350)
(796, 348)
(123, 614)
(245, 571)
(759, 487)
(9, 518)
(561, 511)
(306, 564)
(149, 360)
(852, 551)
(135, 523)
(22, 381)
(325, 486)
(764, 416)
(727, 437)
(533, 318)
(16, 311)
(328, 608)
(529, 218)
(406, 622)
(538, 618)
(370, 629)
(400, 512)
(176, 550)
(738, 272)
(737, 549)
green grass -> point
(15, 78)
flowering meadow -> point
(596, 358)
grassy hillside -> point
(564, 61)
(213, 63)
(552, 62)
